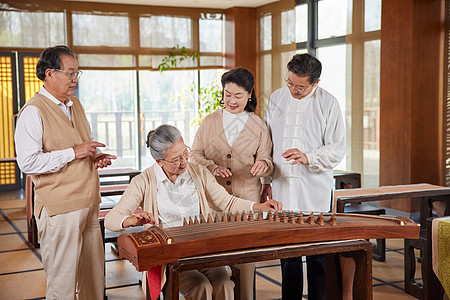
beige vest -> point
(76, 185)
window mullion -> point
(312, 26)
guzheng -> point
(227, 232)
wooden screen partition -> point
(29, 83)
(9, 179)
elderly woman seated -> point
(173, 189)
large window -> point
(111, 111)
(371, 117)
(301, 23)
(266, 32)
(159, 104)
(334, 79)
(345, 36)
(211, 36)
(109, 30)
(119, 49)
(333, 19)
(165, 32)
(31, 29)
(372, 15)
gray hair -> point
(161, 139)
(51, 59)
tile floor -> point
(22, 275)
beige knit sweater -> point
(211, 149)
(76, 185)
(142, 192)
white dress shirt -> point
(28, 141)
(233, 124)
(176, 200)
(315, 126)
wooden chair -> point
(430, 288)
(31, 221)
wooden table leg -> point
(362, 288)
(173, 282)
(362, 277)
(411, 286)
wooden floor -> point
(22, 275)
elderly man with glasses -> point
(54, 145)
(308, 142)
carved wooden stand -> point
(360, 250)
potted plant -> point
(209, 96)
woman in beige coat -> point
(235, 145)
(173, 189)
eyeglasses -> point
(177, 160)
(72, 75)
(296, 87)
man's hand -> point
(259, 167)
(268, 205)
(222, 172)
(266, 192)
(87, 149)
(139, 219)
(296, 155)
(103, 160)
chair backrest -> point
(29, 190)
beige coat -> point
(211, 149)
(142, 192)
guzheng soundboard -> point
(228, 232)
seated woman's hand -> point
(139, 219)
(222, 172)
(268, 205)
(260, 166)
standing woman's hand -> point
(222, 172)
(259, 167)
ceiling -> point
(220, 4)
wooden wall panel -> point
(410, 94)
(241, 38)
(426, 156)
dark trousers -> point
(292, 277)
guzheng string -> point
(219, 214)
(245, 217)
(293, 217)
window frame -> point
(133, 12)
